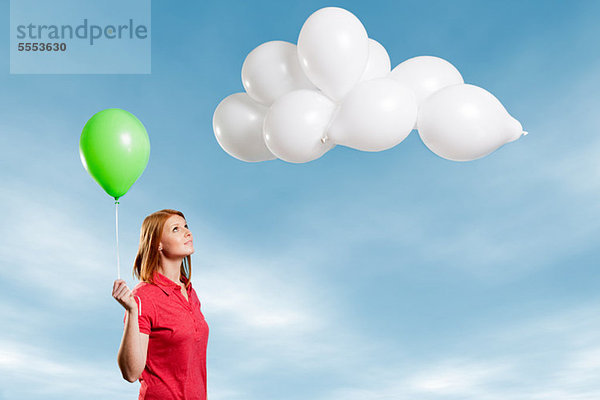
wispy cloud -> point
(553, 357)
(267, 319)
(456, 378)
(47, 249)
(30, 371)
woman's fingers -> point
(119, 293)
(117, 285)
(123, 295)
(123, 292)
(118, 282)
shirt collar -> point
(167, 285)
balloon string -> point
(117, 231)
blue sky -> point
(391, 275)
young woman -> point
(165, 334)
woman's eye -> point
(175, 229)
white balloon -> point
(333, 49)
(465, 122)
(272, 70)
(378, 63)
(426, 75)
(376, 115)
(295, 125)
(237, 123)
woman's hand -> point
(123, 295)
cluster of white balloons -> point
(337, 87)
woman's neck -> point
(171, 269)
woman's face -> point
(176, 238)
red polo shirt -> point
(176, 361)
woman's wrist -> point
(133, 312)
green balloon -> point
(114, 149)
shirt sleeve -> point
(144, 317)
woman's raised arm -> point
(134, 344)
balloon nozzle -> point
(324, 139)
(525, 133)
